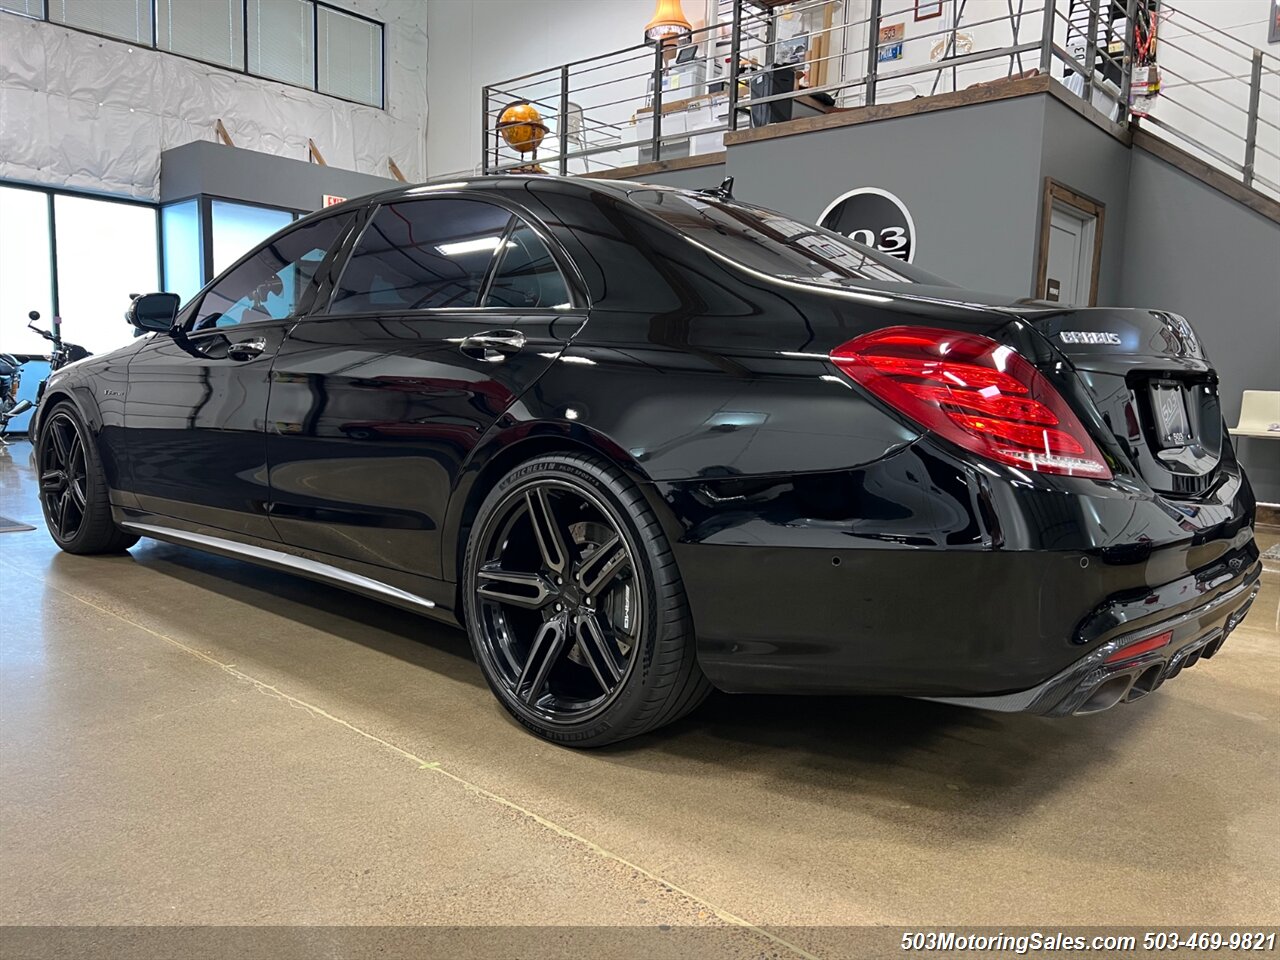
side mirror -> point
(153, 311)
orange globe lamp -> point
(521, 127)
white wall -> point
(1187, 99)
(83, 111)
(478, 42)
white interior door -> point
(1069, 271)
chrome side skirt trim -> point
(283, 561)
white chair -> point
(575, 133)
(1259, 415)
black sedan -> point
(642, 442)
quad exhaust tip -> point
(1105, 695)
(1137, 682)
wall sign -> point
(873, 217)
(330, 200)
(890, 42)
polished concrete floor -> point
(191, 740)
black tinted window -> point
(771, 243)
(527, 275)
(270, 284)
(422, 253)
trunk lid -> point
(1147, 374)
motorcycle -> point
(10, 405)
(62, 354)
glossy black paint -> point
(826, 543)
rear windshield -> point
(771, 243)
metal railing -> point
(1219, 100)
(768, 63)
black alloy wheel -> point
(73, 489)
(63, 480)
(564, 603)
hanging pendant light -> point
(668, 24)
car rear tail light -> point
(975, 392)
(1140, 647)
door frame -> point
(1058, 192)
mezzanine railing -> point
(768, 62)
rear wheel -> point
(73, 488)
(574, 605)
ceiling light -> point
(478, 245)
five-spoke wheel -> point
(62, 475)
(567, 575)
(73, 487)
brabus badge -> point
(1089, 336)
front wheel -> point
(574, 605)
(73, 487)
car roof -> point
(504, 183)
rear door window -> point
(419, 254)
(527, 275)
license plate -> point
(1173, 426)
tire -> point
(586, 640)
(73, 486)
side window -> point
(422, 253)
(269, 285)
(527, 275)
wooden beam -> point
(658, 166)
(222, 133)
(314, 154)
(1195, 167)
(395, 170)
(884, 111)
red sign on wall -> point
(330, 199)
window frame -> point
(306, 305)
(154, 45)
(579, 300)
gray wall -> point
(970, 177)
(235, 174)
(1091, 162)
(1198, 253)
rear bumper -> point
(915, 576)
(1093, 684)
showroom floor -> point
(188, 739)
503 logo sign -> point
(875, 218)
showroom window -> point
(304, 43)
(28, 8)
(208, 30)
(527, 275)
(26, 270)
(183, 242)
(123, 19)
(350, 63)
(282, 40)
(421, 254)
(105, 250)
(269, 284)
(239, 227)
(75, 256)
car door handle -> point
(247, 349)
(492, 346)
